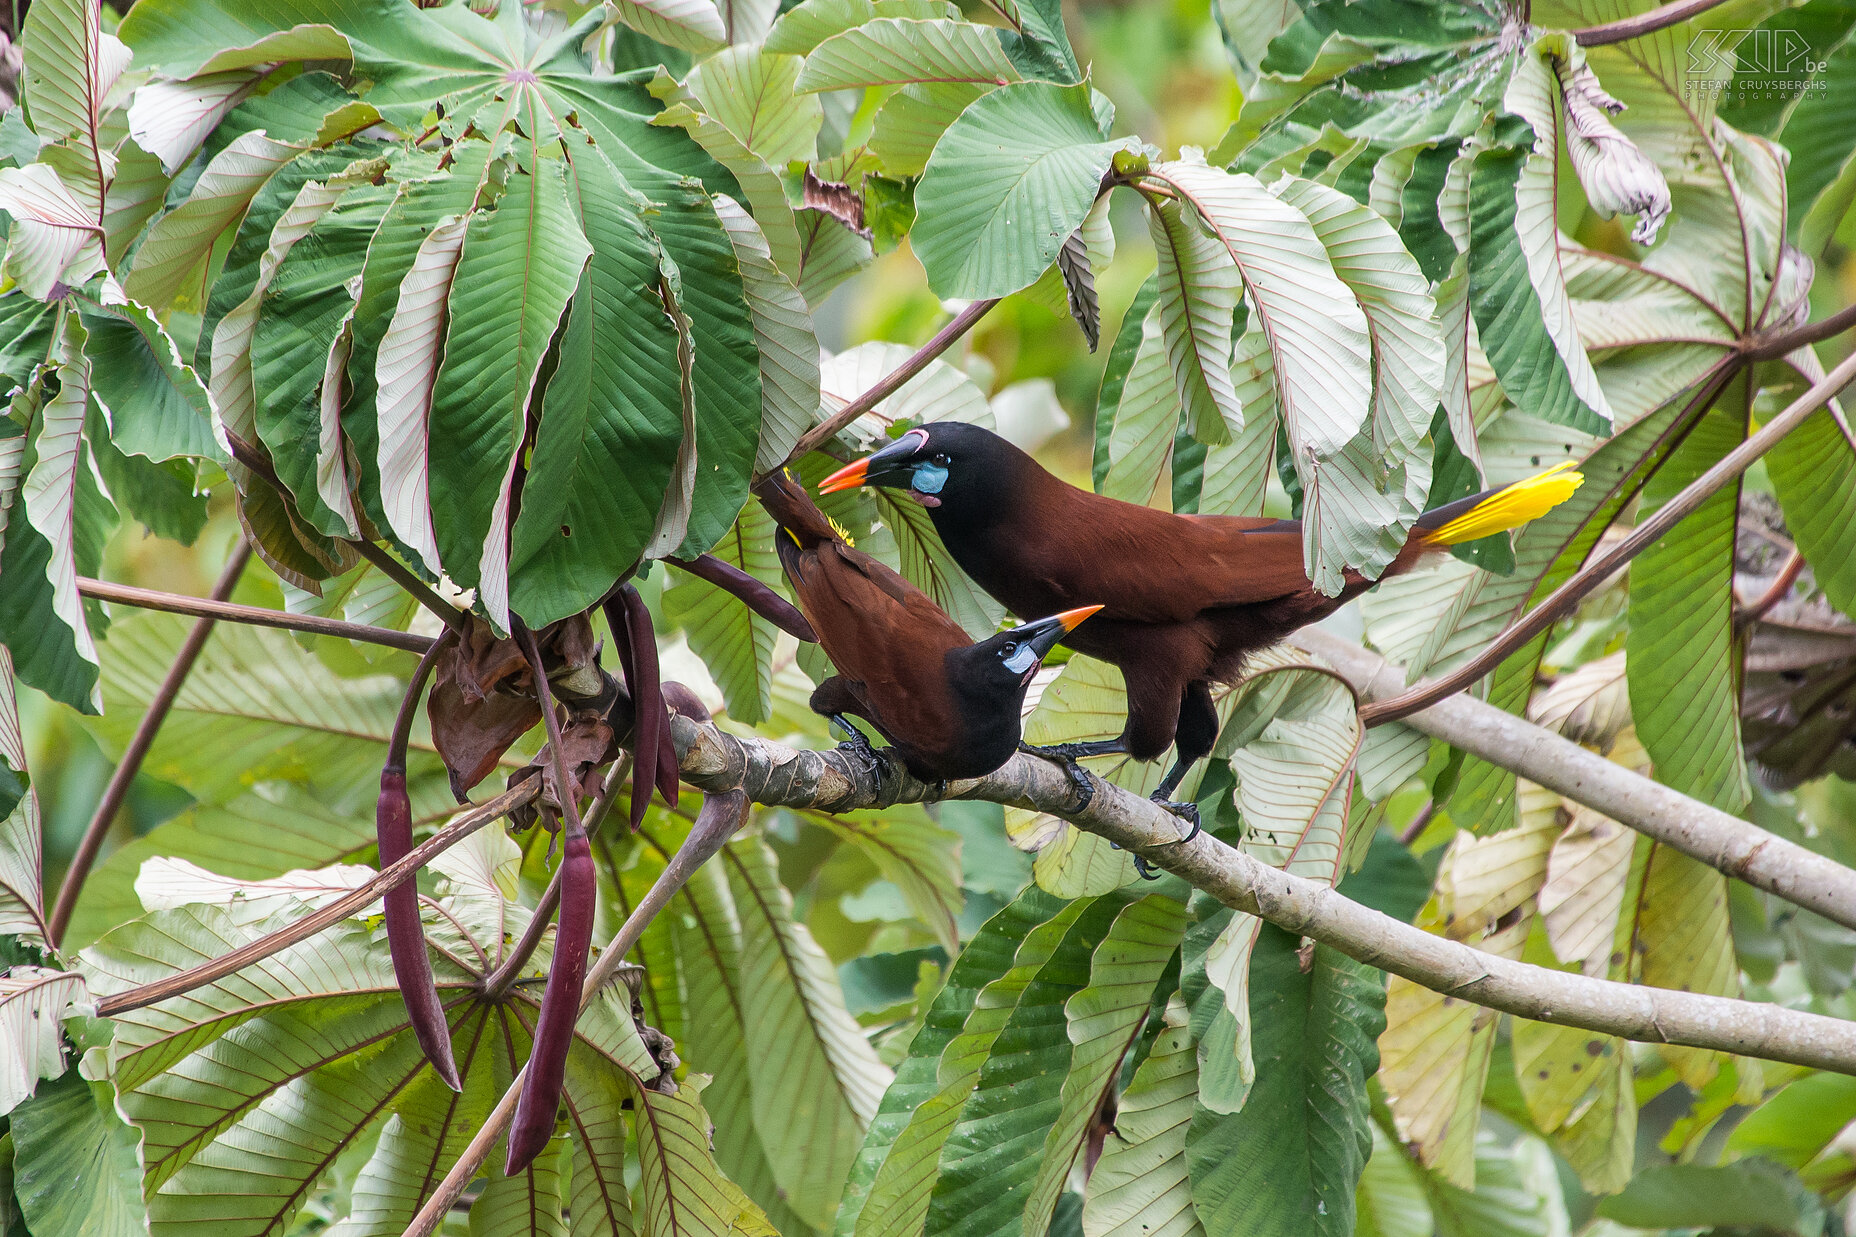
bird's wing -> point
(1152, 566)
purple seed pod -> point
(560, 1007)
(412, 967)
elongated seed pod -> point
(644, 771)
(649, 719)
(560, 1007)
(412, 967)
(754, 594)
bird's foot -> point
(1079, 777)
(1075, 751)
(1188, 812)
(858, 744)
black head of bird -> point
(954, 469)
(948, 705)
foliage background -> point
(1726, 1153)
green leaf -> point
(916, 855)
(1318, 336)
(761, 187)
(1813, 472)
(812, 1101)
(430, 1126)
(1750, 1194)
(74, 1163)
(50, 496)
(22, 883)
(1684, 692)
(256, 707)
(680, 1190)
(1199, 289)
(33, 1001)
(1680, 927)
(1817, 132)
(70, 66)
(1517, 292)
(494, 346)
(887, 1191)
(734, 642)
(156, 405)
(164, 496)
(1008, 183)
(908, 126)
(1007, 1086)
(1146, 414)
(803, 27)
(613, 415)
(55, 237)
(789, 350)
(1289, 1162)
(892, 50)
(1037, 43)
(1140, 1186)
(1518, 1194)
(751, 92)
(1293, 739)
(1579, 1089)
(693, 25)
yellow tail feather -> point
(1511, 506)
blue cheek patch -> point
(1021, 658)
(929, 479)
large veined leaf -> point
(255, 707)
(1318, 336)
(813, 1104)
(33, 1003)
(1435, 1050)
(55, 239)
(894, 50)
(49, 494)
(693, 25)
(917, 1110)
(74, 1163)
(809, 23)
(1293, 739)
(1813, 471)
(1681, 932)
(494, 345)
(1578, 1088)
(156, 405)
(1289, 1162)
(761, 186)
(789, 351)
(1145, 417)
(735, 643)
(22, 889)
(916, 855)
(1683, 690)
(70, 66)
(612, 417)
(1198, 291)
(907, 127)
(1007, 184)
(750, 92)
(1140, 1186)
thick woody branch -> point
(836, 781)
(1722, 841)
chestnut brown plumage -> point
(1185, 597)
(948, 706)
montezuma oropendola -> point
(1185, 597)
(948, 706)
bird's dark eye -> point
(940, 459)
(1008, 650)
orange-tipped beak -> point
(1070, 618)
(850, 477)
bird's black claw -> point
(1085, 785)
(1147, 873)
(1188, 812)
(859, 745)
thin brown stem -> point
(520, 795)
(544, 696)
(132, 756)
(1771, 348)
(252, 458)
(1586, 579)
(409, 703)
(1775, 592)
(1668, 15)
(1411, 832)
(893, 382)
(722, 813)
(256, 616)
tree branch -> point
(835, 781)
(1719, 839)
(1673, 14)
(1771, 348)
(132, 756)
(257, 616)
(357, 899)
(1610, 561)
(893, 382)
